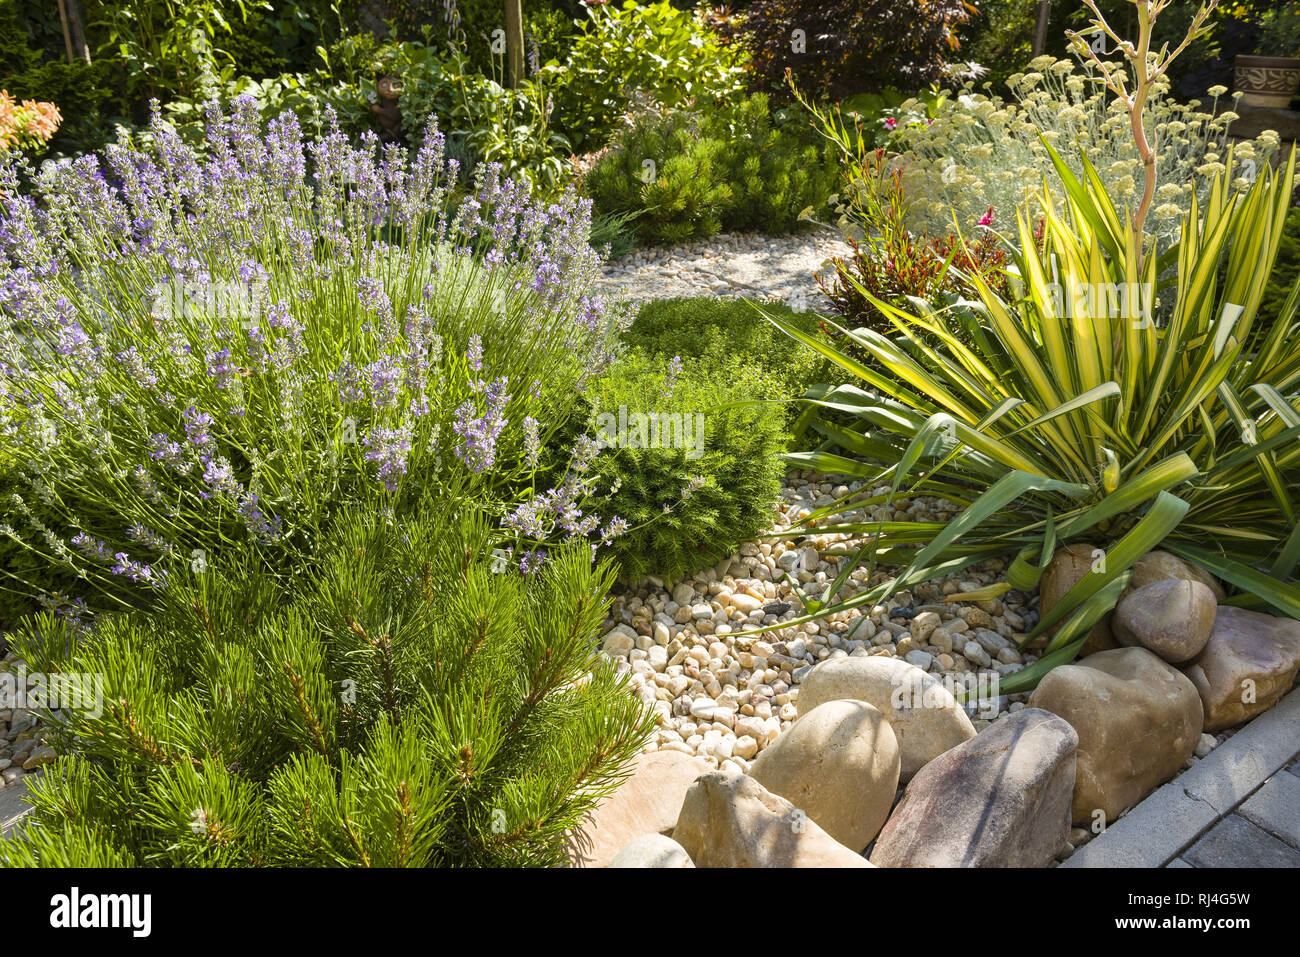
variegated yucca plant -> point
(1051, 417)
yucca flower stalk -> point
(1067, 413)
(1148, 67)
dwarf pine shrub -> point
(419, 704)
(689, 174)
(692, 462)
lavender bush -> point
(215, 348)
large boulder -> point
(1157, 566)
(652, 850)
(1248, 663)
(730, 820)
(926, 719)
(1066, 569)
(839, 764)
(648, 802)
(1171, 617)
(1001, 799)
(1138, 721)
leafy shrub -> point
(81, 91)
(655, 48)
(1279, 31)
(847, 46)
(285, 328)
(26, 125)
(690, 505)
(491, 123)
(894, 265)
(692, 173)
(985, 151)
(721, 332)
(410, 708)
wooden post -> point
(514, 42)
(1040, 28)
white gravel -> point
(729, 264)
(725, 697)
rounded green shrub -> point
(691, 173)
(691, 460)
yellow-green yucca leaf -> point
(1117, 398)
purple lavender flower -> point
(532, 561)
(138, 572)
(259, 526)
(221, 369)
(615, 527)
(170, 454)
(90, 548)
(670, 380)
(218, 475)
(478, 433)
(198, 427)
(389, 449)
(147, 537)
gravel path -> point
(781, 267)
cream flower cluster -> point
(984, 150)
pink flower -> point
(986, 219)
(891, 123)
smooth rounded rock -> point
(1001, 799)
(839, 763)
(652, 850)
(1066, 569)
(1157, 565)
(1171, 617)
(925, 717)
(649, 800)
(1138, 719)
(730, 820)
(1249, 662)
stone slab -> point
(1235, 842)
(13, 806)
(1276, 808)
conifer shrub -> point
(691, 461)
(416, 705)
(691, 173)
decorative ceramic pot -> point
(1267, 80)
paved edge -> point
(1171, 818)
(13, 807)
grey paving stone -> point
(1276, 808)
(1233, 770)
(1151, 834)
(1235, 842)
(13, 805)
(1178, 862)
